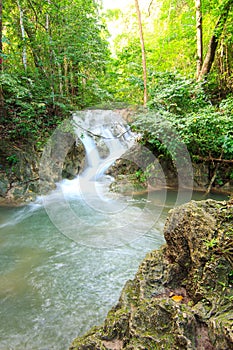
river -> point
(65, 258)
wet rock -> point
(3, 185)
(102, 148)
(19, 173)
(74, 161)
(158, 171)
(25, 172)
(181, 297)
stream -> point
(66, 257)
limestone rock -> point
(25, 173)
(60, 159)
(181, 297)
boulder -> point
(181, 297)
(26, 173)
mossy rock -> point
(181, 297)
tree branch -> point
(100, 136)
(213, 43)
(150, 7)
(217, 160)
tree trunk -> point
(143, 52)
(1, 52)
(47, 19)
(1, 64)
(66, 78)
(34, 49)
(52, 56)
(209, 59)
(21, 21)
(199, 36)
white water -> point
(99, 218)
(65, 258)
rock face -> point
(25, 173)
(63, 157)
(139, 167)
(181, 297)
(19, 169)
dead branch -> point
(101, 136)
(219, 160)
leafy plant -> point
(182, 113)
(176, 94)
(212, 243)
(12, 159)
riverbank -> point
(26, 171)
(181, 296)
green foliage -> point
(174, 93)
(30, 112)
(141, 175)
(69, 67)
(174, 37)
(230, 277)
(170, 43)
(12, 159)
(182, 113)
(212, 243)
(123, 79)
(208, 133)
(66, 54)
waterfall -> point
(92, 154)
(83, 209)
(93, 127)
(93, 215)
(65, 257)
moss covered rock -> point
(25, 172)
(181, 297)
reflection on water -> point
(52, 288)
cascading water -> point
(53, 288)
(93, 215)
(90, 127)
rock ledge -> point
(181, 296)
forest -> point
(82, 201)
(174, 57)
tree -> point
(143, 51)
(55, 54)
(1, 53)
(199, 36)
(214, 40)
(1, 63)
(21, 21)
(62, 44)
